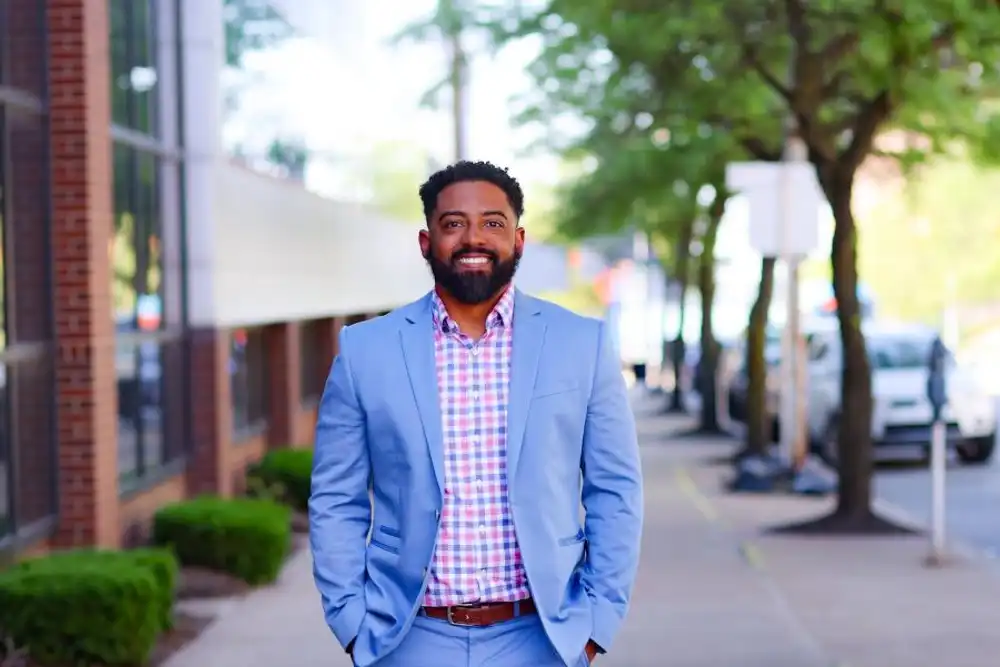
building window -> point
(313, 368)
(145, 250)
(28, 492)
(248, 381)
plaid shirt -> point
(477, 558)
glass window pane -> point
(4, 203)
(123, 241)
(29, 425)
(7, 525)
(134, 74)
(118, 39)
(148, 246)
(311, 365)
(22, 46)
(150, 416)
(143, 75)
(248, 379)
(28, 317)
(27, 443)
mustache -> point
(462, 252)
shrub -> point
(86, 607)
(285, 474)
(248, 538)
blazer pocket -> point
(379, 544)
(555, 389)
(575, 538)
(391, 532)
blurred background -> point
(196, 195)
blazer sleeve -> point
(612, 496)
(339, 506)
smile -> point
(474, 260)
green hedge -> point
(248, 538)
(285, 475)
(89, 606)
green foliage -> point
(248, 538)
(287, 473)
(89, 606)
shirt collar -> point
(501, 316)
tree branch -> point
(867, 123)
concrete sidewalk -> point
(712, 592)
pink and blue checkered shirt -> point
(477, 558)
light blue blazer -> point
(379, 469)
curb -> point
(961, 548)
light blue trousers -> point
(520, 642)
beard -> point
(473, 287)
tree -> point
(450, 24)
(594, 65)
(855, 67)
(642, 182)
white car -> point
(902, 413)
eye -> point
(494, 223)
(451, 224)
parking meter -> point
(937, 390)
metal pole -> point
(795, 151)
(939, 455)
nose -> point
(473, 237)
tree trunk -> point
(759, 431)
(853, 514)
(709, 362)
(677, 348)
(458, 93)
(854, 427)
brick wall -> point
(81, 228)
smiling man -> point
(479, 418)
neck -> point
(470, 318)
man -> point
(452, 434)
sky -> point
(346, 89)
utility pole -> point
(458, 76)
(793, 400)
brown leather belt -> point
(480, 615)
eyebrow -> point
(462, 214)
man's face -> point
(472, 242)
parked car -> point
(901, 419)
(901, 414)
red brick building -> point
(167, 316)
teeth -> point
(473, 260)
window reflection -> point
(313, 368)
(248, 379)
(136, 245)
(134, 75)
(139, 369)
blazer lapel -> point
(529, 336)
(418, 351)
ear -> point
(519, 238)
(424, 239)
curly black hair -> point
(464, 171)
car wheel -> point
(829, 450)
(977, 450)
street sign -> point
(784, 202)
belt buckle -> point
(451, 615)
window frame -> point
(164, 145)
(18, 354)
